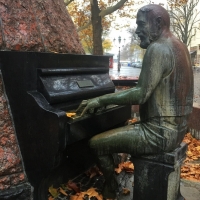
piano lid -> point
(70, 84)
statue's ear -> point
(158, 21)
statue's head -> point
(152, 19)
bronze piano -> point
(41, 88)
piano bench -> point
(157, 177)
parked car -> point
(124, 63)
(136, 64)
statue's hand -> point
(87, 105)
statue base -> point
(157, 177)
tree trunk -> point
(37, 25)
(97, 28)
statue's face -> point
(146, 29)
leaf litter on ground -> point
(190, 170)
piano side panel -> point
(44, 140)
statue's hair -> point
(157, 11)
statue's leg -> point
(107, 167)
(128, 139)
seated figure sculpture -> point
(164, 93)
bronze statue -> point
(164, 93)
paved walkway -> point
(196, 71)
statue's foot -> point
(110, 190)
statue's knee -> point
(92, 142)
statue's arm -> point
(155, 64)
(153, 68)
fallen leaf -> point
(70, 114)
(93, 171)
(126, 166)
(76, 197)
(131, 121)
(73, 186)
(189, 169)
(53, 191)
(90, 193)
(125, 191)
(119, 169)
(62, 191)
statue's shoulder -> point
(159, 47)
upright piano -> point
(41, 88)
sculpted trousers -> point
(126, 139)
(138, 139)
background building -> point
(194, 47)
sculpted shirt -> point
(168, 78)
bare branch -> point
(110, 10)
(184, 17)
(105, 12)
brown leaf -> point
(125, 191)
(76, 197)
(126, 166)
(93, 193)
(90, 192)
(73, 186)
(119, 169)
(93, 171)
(189, 170)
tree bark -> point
(97, 28)
(37, 25)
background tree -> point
(184, 16)
(81, 16)
(94, 11)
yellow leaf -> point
(70, 114)
(53, 191)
